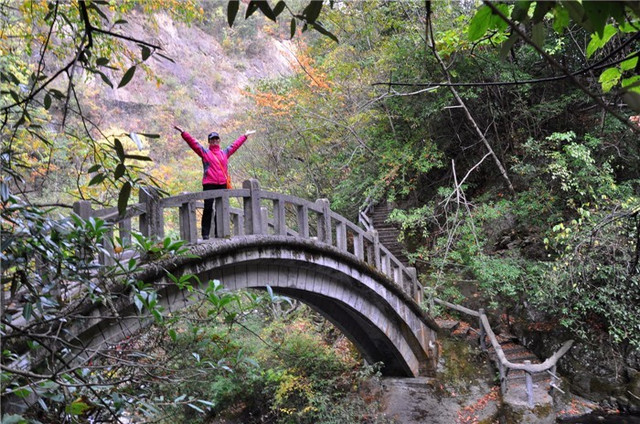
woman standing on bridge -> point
(216, 172)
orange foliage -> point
(281, 105)
(316, 78)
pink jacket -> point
(213, 158)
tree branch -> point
(516, 28)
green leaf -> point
(146, 52)
(173, 334)
(104, 78)
(94, 168)
(232, 11)
(22, 393)
(123, 197)
(27, 310)
(632, 83)
(318, 27)
(629, 64)
(266, 10)
(293, 27)
(542, 7)
(102, 61)
(597, 12)
(117, 145)
(138, 157)
(598, 41)
(520, 10)
(47, 101)
(277, 10)
(120, 170)
(251, 8)
(496, 21)
(312, 11)
(150, 135)
(127, 76)
(609, 78)
(479, 23)
(97, 179)
(538, 34)
(576, 12)
(14, 96)
(508, 44)
(561, 19)
(77, 407)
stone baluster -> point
(376, 249)
(358, 245)
(279, 222)
(324, 221)
(529, 384)
(341, 235)
(187, 219)
(252, 214)
(223, 219)
(238, 224)
(151, 222)
(303, 221)
(124, 231)
(415, 291)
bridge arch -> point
(374, 312)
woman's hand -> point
(178, 128)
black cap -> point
(213, 135)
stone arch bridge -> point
(301, 249)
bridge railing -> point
(504, 365)
(250, 211)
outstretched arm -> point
(239, 142)
(192, 142)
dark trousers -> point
(207, 214)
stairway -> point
(514, 389)
(388, 233)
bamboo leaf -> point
(266, 10)
(251, 8)
(312, 11)
(232, 11)
(127, 76)
(123, 197)
(117, 145)
(322, 30)
(97, 179)
(120, 170)
(277, 10)
(146, 52)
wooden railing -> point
(504, 365)
(250, 211)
